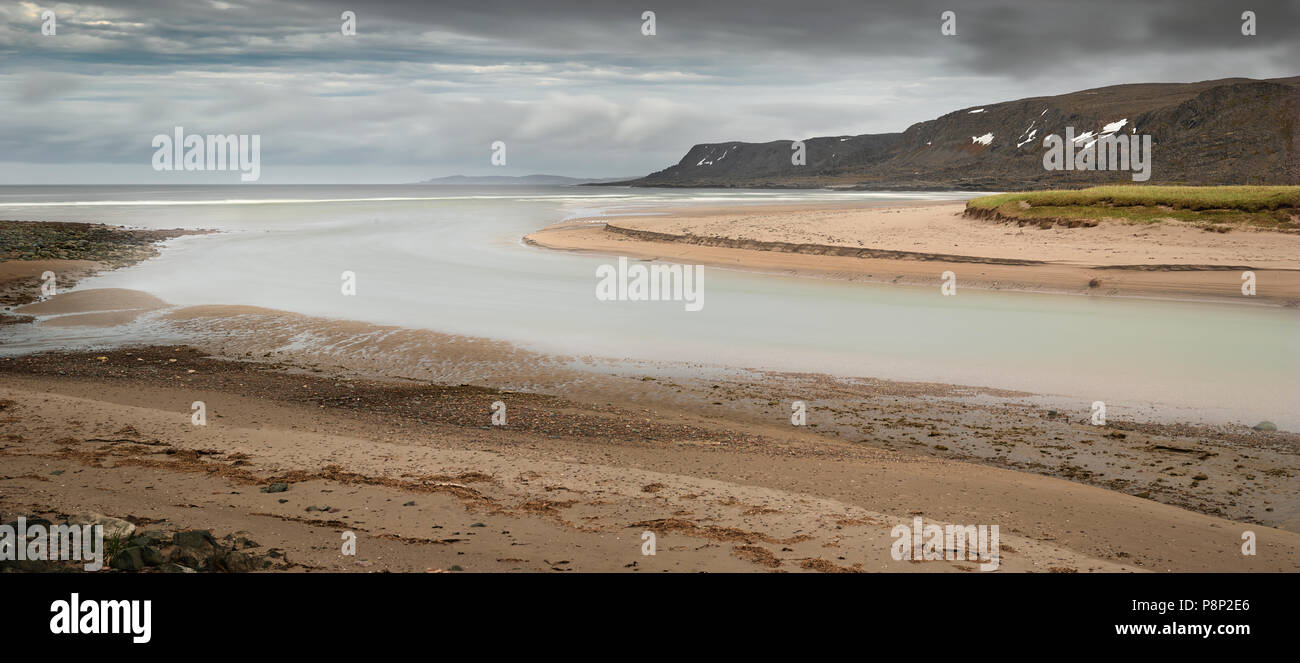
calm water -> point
(451, 260)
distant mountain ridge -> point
(1228, 131)
(514, 180)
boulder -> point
(128, 559)
(235, 562)
(151, 538)
(197, 548)
(152, 557)
(195, 538)
(114, 528)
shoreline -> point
(724, 490)
(776, 239)
(912, 447)
(71, 251)
(394, 438)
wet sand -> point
(589, 460)
(20, 280)
(387, 432)
(71, 252)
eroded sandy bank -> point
(916, 244)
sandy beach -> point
(407, 459)
(387, 433)
(915, 244)
(415, 472)
(318, 303)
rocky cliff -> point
(1230, 131)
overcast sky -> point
(425, 87)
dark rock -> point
(152, 557)
(152, 538)
(195, 538)
(128, 559)
(192, 559)
(37, 566)
(197, 548)
(176, 568)
(276, 488)
(235, 562)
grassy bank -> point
(1216, 208)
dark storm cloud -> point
(995, 36)
(573, 86)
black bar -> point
(935, 613)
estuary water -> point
(451, 260)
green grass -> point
(114, 545)
(1213, 207)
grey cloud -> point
(573, 87)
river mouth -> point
(452, 261)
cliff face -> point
(737, 161)
(1231, 131)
